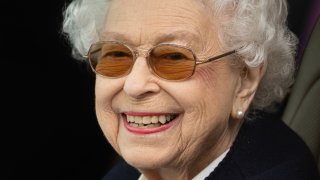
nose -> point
(140, 82)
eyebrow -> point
(181, 35)
(162, 37)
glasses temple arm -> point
(92, 52)
(217, 57)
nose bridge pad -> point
(144, 53)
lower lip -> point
(148, 130)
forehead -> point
(156, 21)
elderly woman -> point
(176, 79)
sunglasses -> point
(168, 61)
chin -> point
(147, 159)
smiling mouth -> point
(144, 121)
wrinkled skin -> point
(206, 103)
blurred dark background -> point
(48, 125)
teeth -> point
(130, 118)
(162, 119)
(138, 119)
(146, 120)
(134, 125)
(149, 121)
(154, 119)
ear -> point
(246, 88)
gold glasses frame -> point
(136, 54)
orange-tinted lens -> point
(111, 59)
(172, 62)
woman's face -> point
(201, 106)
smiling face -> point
(158, 124)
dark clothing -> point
(263, 150)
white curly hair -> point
(258, 26)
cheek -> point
(108, 120)
(204, 123)
(212, 100)
(214, 74)
(219, 81)
(107, 89)
(109, 125)
(208, 114)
